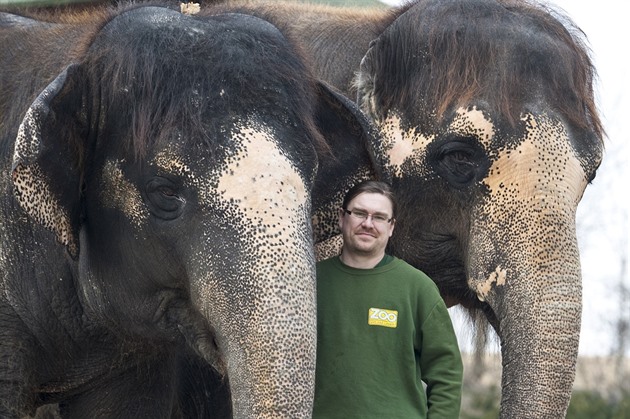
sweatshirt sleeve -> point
(441, 364)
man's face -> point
(366, 235)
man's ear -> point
(48, 150)
(340, 214)
(393, 225)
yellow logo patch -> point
(382, 317)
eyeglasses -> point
(363, 215)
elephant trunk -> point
(524, 261)
(274, 379)
(533, 286)
(262, 309)
(266, 339)
(256, 284)
(539, 330)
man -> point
(383, 328)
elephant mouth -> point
(206, 346)
(200, 336)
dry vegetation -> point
(606, 378)
(600, 374)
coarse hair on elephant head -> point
(490, 134)
(173, 157)
(172, 106)
(461, 61)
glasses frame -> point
(368, 215)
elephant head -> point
(491, 140)
(175, 162)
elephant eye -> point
(460, 161)
(459, 157)
(163, 199)
(166, 191)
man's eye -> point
(360, 214)
(379, 218)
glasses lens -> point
(362, 215)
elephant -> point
(156, 173)
(489, 134)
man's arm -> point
(441, 364)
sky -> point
(603, 214)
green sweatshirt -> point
(382, 332)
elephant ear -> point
(352, 137)
(45, 169)
(365, 82)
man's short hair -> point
(371, 186)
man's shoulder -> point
(327, 261)
(326, 264)
(404, 265)
(413, 273)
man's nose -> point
(368, 221)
